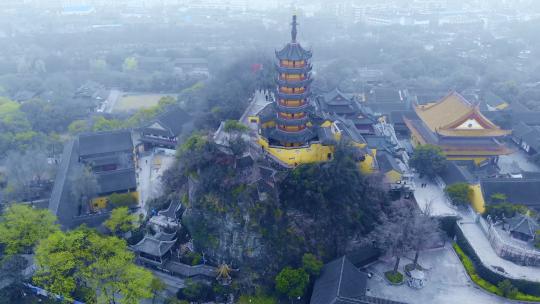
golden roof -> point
(444, 116)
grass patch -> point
(136, 102)
(471, 271)
(394, 277)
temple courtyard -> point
(446, 281)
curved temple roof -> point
(445, 116)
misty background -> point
(60, 59)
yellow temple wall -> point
(312, 154)
(477, 160)
(368, 165)
(477, 199)
(254, 119)
(393, 176)
(502, 106)
(101, 202)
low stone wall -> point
(528, 287)
(506, 250)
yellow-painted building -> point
(459, 129)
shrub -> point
(311, 264)
(500, 210)
(428, 160)
(195, 291)
(394, 277)
(193, 258)
(292, 282)
(504, 288)
(123, 200)
(234, 126)
(458, 193)
(507, 289)
(258, 299)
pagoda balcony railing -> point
(289, 78)
(300, 129)
(293, 65)
(299, 116)
(292, 121)
(291, 104)
(286, 90)
(292, 110)
(304, 95)
(298, 70)
(294, 83)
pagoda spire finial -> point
(294, 31)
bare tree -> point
(424, 231)
(24, 170)
(391, 235)
(84, 185)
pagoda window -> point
(292, 63)
(291, 128)
(295, 116)
(291, 103)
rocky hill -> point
(242, 212)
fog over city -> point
(269, 151)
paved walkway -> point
(432, 197)
(111, 100)
(446, 282)
(257, 104)
(482, 247)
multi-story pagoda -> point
(290, 129)
(292, 95)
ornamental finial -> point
(294, 31)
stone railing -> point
(507, 250)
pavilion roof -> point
(154, 246)
(452, 111)
(523, 224)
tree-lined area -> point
(81, 264)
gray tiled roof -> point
(387, 162)
(116, 181)
(336, 97)
(523, 191)
(153, 246)
(293, 51)
(339, 279)
(523, 224)
(60, 203)
(105, 142)
(173, 120)
(456, 174)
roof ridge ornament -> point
(294, 31)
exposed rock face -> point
(230, 233)
(259, 221)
